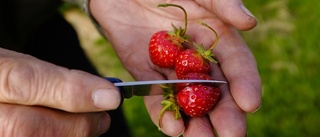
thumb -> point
(235, 13)
(26, 80)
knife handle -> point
(116, 80)
(113, 79)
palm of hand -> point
(130, 34)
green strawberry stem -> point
(168, 104)
(215, 33)
(183, 32)
(207, 54)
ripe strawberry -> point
(164, 46)
(191, 61)
(164, 49)
(192, 75)
(197, 100)
(196, 60)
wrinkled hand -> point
(40, 99)
(128, 25)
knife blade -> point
(143, 88)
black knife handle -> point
(113, 79)
(116, 80)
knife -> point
(143, 88)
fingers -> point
(227, 118)
(16, 120)
(229, 121)
(28, 81)
(198, 126)
(235, 13)
(240, 69)
(169, 125)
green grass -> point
(285, 44)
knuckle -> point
(6, 123)
(16, 80)
(84, 126)
(12, 123)
(73, 92)
(38, 121)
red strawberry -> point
(197, 100)
(192, 75)
(164, 46)
(164, 49)
(191, 61)
(197, 60)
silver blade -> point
(143, 88)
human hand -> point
(129, 29)
(41, 99)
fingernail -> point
(104, 123)
(246, 10)
(106, 98)
(257, 109)
(181, 134)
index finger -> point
(26, 80)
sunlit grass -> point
(287, 55)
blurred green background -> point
(285, 46)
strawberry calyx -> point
(175, 38)
(179, 32)
(207, 54)
(168, 104)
